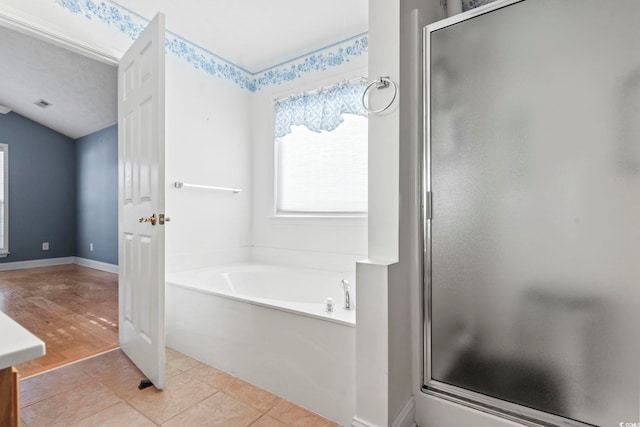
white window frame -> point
(5, 251)
(306, 217)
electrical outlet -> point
(45, 246)
(91, 247)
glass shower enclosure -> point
(531, 211)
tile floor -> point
(102, 391)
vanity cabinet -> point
(9, 397)
(17, 345)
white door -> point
(141, 201)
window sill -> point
(4, 254)
(320, 219)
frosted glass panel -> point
(535, 174)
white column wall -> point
(373, 362)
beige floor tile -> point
(212, 376)
(40, 387)
(119, 415)
(181, 392)
(124, 384)
(252, 395)
(70, 406)
(183, 363)
(106, 364)
(173, 354)
(119, 375)
(294, 415)
(267, 421)
(219, 410)
(171, 371)
(178, 362)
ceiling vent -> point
(43, 104)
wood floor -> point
(73, 309)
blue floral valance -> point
(319, 110)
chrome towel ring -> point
(381, 83)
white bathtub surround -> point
(331, 261)
(201, 259)
(268, 325)
(300, 291)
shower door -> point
(532, 209)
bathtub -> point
(269, 326)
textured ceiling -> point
(82, 91)
(252, 34)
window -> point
(4, 200)
(321, 153)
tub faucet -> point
(347, 295)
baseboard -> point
(406, 417)
(49, 262)
(19, 265)
(357, 422)
(98, 265)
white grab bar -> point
(179, 184)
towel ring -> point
(381, 83)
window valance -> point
(320, 110)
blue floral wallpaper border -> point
(132, 24)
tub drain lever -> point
(330, 306)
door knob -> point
(151, 219)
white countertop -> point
(17, 345)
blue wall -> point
(97, 195)
(42, 190)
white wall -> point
(207, 142)
(219, 134)
(295, 239)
